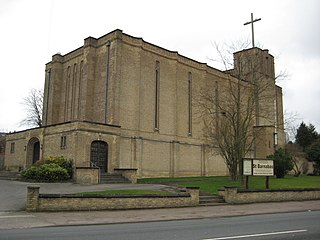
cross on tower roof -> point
(251, 22)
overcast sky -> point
(31, 31)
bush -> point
(282, 162)
(33, 173)
(51, 170)
(313, 154)
(62, 162)
(47, 172)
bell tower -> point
(256, 66)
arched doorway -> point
(33, 151)
(99, 155)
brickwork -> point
(106, 90)
(265, 143)
(56, 202)
(2, 149)
(130, 174)
(32, 198)
(235, 196)
(87, 175)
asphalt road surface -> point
(300, 225)
(13, 194)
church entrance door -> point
(36, 152)
(33, 151)
(99, 155)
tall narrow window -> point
(108, 44)
(189, 103)
(157, 96)
(73, 91)
(48, 96)
(1, 148)
(216, 104)
(79, 89)
(67, 94)
(63, 142)
(12, 147)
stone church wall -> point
(15, 158)
(138, 98)
(155, 159)
(189, 160)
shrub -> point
(282, 162)
(313, 154)
(51, 172)
(34, 173)
(62, 162)
(39, 163)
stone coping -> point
(234, 195)
(271, 190)
(125, 169)
(113, 195)
(87, 168)
(280, 190)
(87, 202)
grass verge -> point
(212, 184)
(127, 192)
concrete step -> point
(7, 175)
(210, 200)
(113, 178)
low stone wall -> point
(87, 175)
(128, 173)
(78, 202)
(236, 196)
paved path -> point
(11, 220)
(14, 193)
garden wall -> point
(78, 202)
(87, 175)
(236, 196)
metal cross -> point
(251, 22)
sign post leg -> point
(247, 182)
(267, 182)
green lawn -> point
(212, 184)
(126, 192)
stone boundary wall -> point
(128, 173)
(235, 196)
(87, 175)
(78, 202)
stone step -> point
(212, 204)
(13, 176)
(113, 178)
(210, 200)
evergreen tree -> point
(313, 154)
(283, 163)
(306, 135)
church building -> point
(119, 102)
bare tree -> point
(291, 124)
(33, 106)
(299, 159)
(235, 106)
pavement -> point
(10, 218)
(13, 194)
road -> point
(13, 194)
(299, 225)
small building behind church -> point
(119, 102)
(2, 149)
